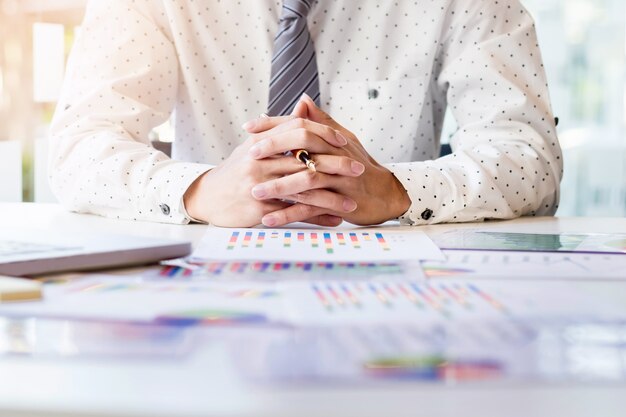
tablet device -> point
(37, 252)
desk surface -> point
(206, 384)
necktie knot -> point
(296, 9)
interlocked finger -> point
(326, 199)
(290, 140)
(327, 164)
(293, 214)
(269, 127)
(289, 185)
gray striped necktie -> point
(294, 68)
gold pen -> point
(301, 155)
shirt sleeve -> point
(121, 83)
(506, 159)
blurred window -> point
(584, 50)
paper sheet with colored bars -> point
(301, 245)
(194, 270)
(131, 299)
(324, 303)
(315, 303)
(504, 265)
(462, 353)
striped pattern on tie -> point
(294, 67)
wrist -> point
(192, 200)
(400, 202)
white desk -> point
(206, 385)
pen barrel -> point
(303, 156)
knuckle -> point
(242, 149)
(353, 183)
(269, 144)
(338, 203)
(251, 166)
(299, 122)
(258, 209)
(275, 188)
(329, 132)
(248, 182)
(303, 197)
(346, 165)
(302, 134)
(294, 123)
(248, 172)
(305, 211)
(311, 179)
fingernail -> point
(306, 96)
(259, 191)
(349, 205)
(341, 139)
(248, 125)
(269, 221)
(256, 150)
(357, 167)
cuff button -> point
(165, 209)
(372, 94)
(427, 214)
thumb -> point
(316, 114)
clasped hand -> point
(258, 183)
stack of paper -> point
(370, 304)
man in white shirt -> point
(385, 71)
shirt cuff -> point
(432, 198)
(183, 209)
(175, 179)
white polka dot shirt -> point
(388, 70)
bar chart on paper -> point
(451, 301)
(162, 302)
(316, 245)
(189, 269)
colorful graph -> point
(302, 245)
(209, 317)
(256, 239)
(233, 241)
(433, 368)
(439, 297)
(432, 271)
(278, 270)
(155, 287)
